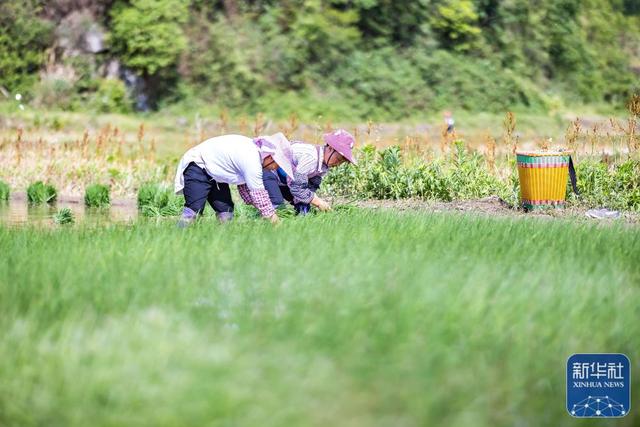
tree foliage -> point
(23, 39)
(148, 35)
(456, 23)
(381, 58)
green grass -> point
(5, 191)
(353, 319)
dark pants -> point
(279, 192)
(199, 188)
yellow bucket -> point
(543, 178)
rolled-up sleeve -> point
(262, 202)
(258, 198)
(253, 191)
(244, 194)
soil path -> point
(492, 206)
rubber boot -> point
(188, 217)
(224, 216)
(302, 208)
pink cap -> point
(343, 142)
(278, 147)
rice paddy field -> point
(427, 297)
(352, 318)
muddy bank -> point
(493, 206)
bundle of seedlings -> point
(155, 200)
(64, 216)
(97, 196)
(39, 192)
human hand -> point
(322, 205)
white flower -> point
(18, 97)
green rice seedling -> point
(39, 192)
(155, 200)
(358, 313)
(147, 193)
(64, 216)
(285, 211)
(4, 191)
(243, 211)
(174, 204)
(97, 196)
(150, 211)
(345, 208)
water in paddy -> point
(18, 211)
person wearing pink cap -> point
(206, 170)
(311, 164)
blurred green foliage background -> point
(379, 59)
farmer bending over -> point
(206, 170)
(312, 163)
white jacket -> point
(231, 159)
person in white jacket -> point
(206, 170)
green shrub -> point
(456, 24)
(626, 181)
(158, 200)
(509, 191)
(97, 196)
(4, 191)
(147, 34)
(111, 97)
(64, 216)
(595, 184)
(473, 84)
(469, 177)
(55, 92)
(24, 36)
(613, 186)
(39, 192)
(217, 63)
(386, 174)
(383, 84)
